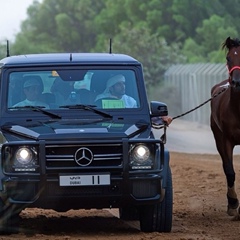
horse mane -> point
(229, 43)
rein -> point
(215, 95)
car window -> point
(107, 89)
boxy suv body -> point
(67, 151)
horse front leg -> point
(226, 154)
(233, 202)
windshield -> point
(103, 89)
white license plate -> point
(84, 180)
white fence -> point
(194, 83)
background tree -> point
(58, 26)
(151, 50)
(158, 33)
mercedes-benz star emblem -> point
(83, 156)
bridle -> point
(232, 69)
(230, 80)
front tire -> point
(158, 217)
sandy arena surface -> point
(199, 208)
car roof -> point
(68, 59)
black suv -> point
(71, 149)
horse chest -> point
(232, 134)
(236, 137)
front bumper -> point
(135, 187)
(47, 193)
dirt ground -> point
(199, 210)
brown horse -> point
(225, 119)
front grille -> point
(62, 157)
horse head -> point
(233, 61)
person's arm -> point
(167, 119)
(164, 120)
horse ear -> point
(228, 43)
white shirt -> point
(26, 102)
(129, 101)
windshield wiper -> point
(38, 109)
(87, 107)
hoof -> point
(237, 216)
(232, 211)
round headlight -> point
(141, 153)
(24, 155)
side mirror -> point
(158, 109)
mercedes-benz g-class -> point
(68, 143)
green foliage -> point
(158, 33)
(193, 51)
(59, 26)
(221, 28)
(151, 50)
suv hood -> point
(75, 129)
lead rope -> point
(163, 138)
(210, 99)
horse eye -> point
(228, 59)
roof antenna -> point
(110, 46)
(8, 54)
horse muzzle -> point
(235, 86)
(234, 78)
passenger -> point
(116, 89)
(32, 91)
